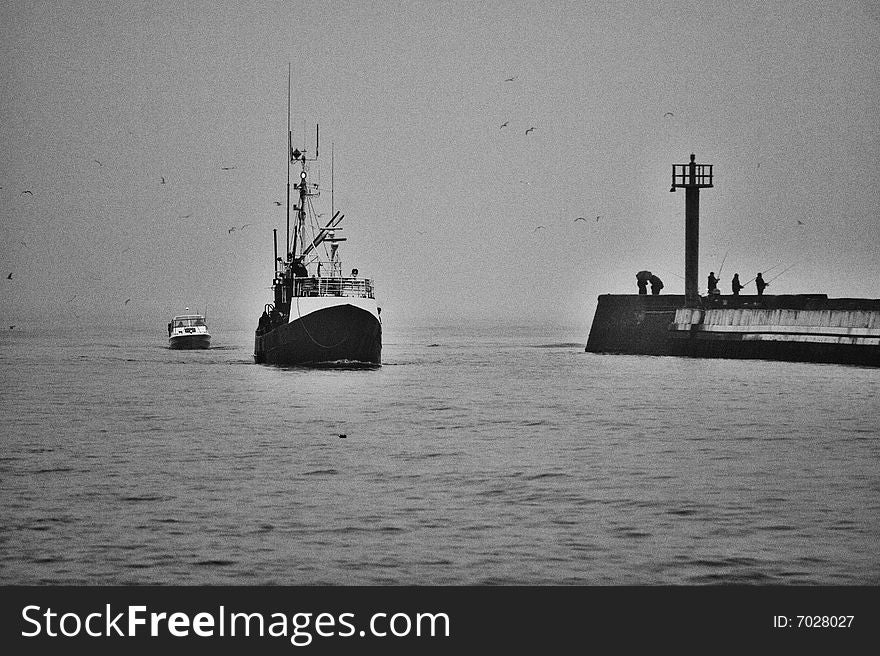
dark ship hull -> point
(337, 333)
(800, 328)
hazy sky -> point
(100, 100)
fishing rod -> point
(765, 271)
(781, 273)
(721, 268)
(670, 273)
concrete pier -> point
(798, 327)
(634, 323)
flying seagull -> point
(529, 130)
(668, 114)
(230, 230)
(126, 301)
(800, 222)
(510, 79)
(26, 191)
(227, 168)
(9, 277)
(504, 125)
(277, 203)
(186, 216)
(538, 228)
(580, 218)
(244, 226)
(598, 217)
(99, 163)
(342, 436)
(162, 181)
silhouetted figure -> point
(760, 284)
(735, 284)
(713, 283)
(656, 284)
(642, 278)
(299, 269)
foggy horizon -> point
(426, 109)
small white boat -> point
(188, 331)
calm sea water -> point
(502, 456)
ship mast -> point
(302, 186)
(287, 244)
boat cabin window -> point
(189, 322)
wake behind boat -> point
(188, 331)
(318, 315)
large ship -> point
(318, 314)
(795, 327)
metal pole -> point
(691, 236)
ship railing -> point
(335, 286)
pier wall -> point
(634, 323)
(844, 325)
(807, 328)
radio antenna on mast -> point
(289, 151)
(331, 178)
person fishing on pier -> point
(713, 284)
(735, 284)
(656, 284)
(760, 284)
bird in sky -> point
(668, 114)
(127, 301)
(580, 218)
(799, 222)
(244, 226)
(342, 436)
(510, 79)
(598, 217)
(162, 180)
(98, 163)
(227, 168)
(538, 228)
(9, 277)
(186, 216)
(277, 203)
(505, 124)
(26, 191)
(229, 232)
(529, 130)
